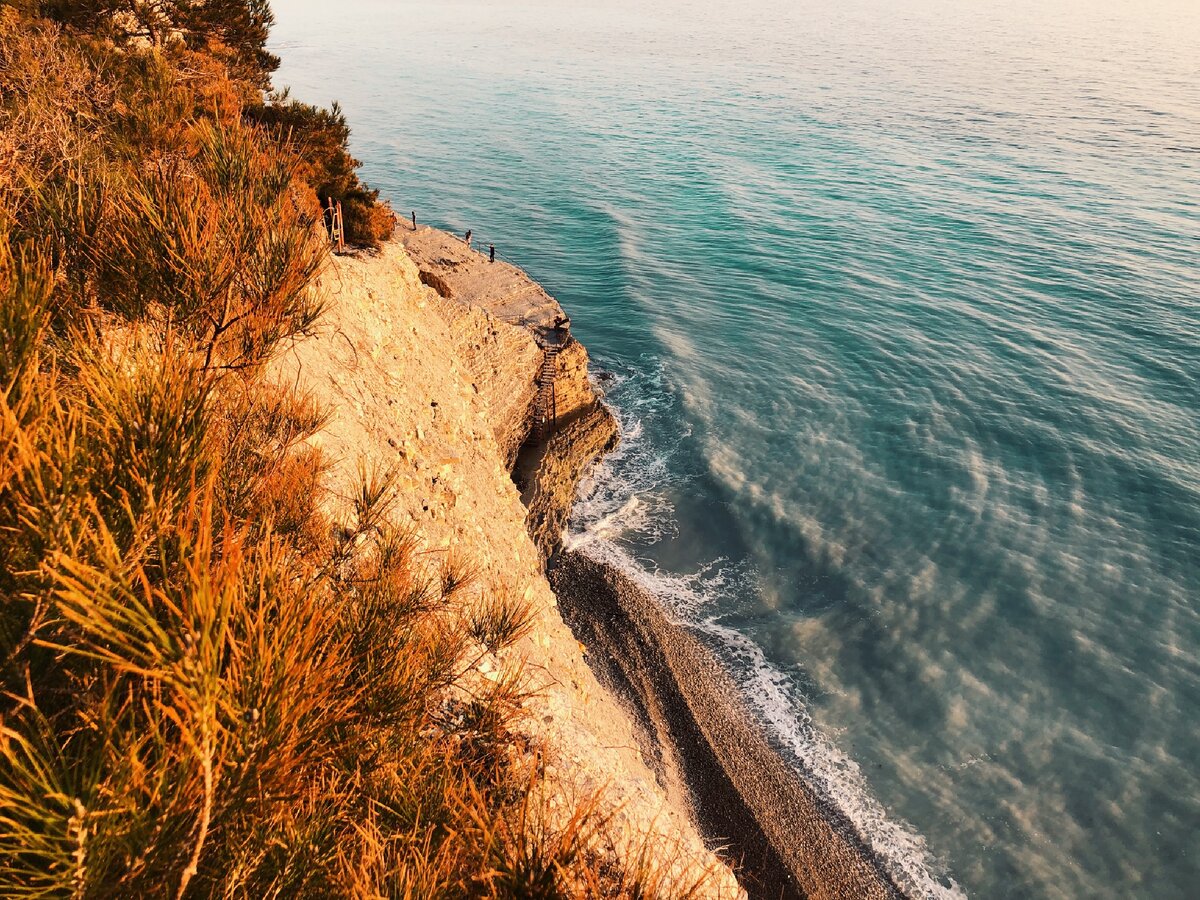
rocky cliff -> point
(429, 366)
(547, 463)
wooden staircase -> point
(546, 409)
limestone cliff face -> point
(439, 392)
(574, 393)
(502, 363)
(549, 464)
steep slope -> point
(438, 392)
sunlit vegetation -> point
(210, 687)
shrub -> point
(319, 140)
(216, 249)
(233, 31)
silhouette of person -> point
(468, 237)
(414, 220)
(491, 252)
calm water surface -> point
(901, 301)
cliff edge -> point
(547, 416)
(429, 375)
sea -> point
(898, 304)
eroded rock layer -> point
(548, 463)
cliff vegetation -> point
(209, 684)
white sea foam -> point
(624, 500)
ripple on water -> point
(902, 303)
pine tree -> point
(233, 30)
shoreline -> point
(788, 841)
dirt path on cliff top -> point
(789, 842)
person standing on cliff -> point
(414, 220)
(468, 238)
(491, 253)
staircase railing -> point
(547, 397)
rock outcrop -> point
(437, 387)
(548, 473)
(547, 466)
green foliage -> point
(215, 249)
(320, 138)
(144, 101)
(234, 31)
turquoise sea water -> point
(902, 305)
